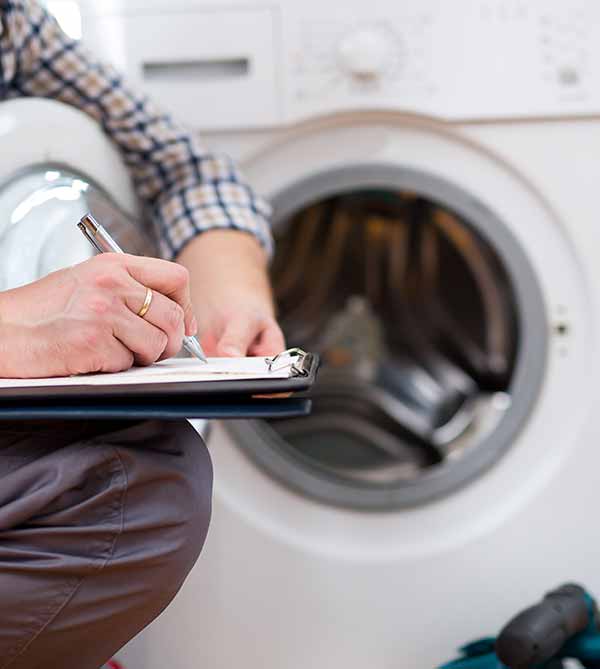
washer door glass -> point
(420, 322)
(39, 211)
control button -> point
(367, 53)
(568, 76)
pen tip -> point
(192, 345)
(198, 352)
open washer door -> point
(56, 165)
(405, 258)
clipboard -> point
(97, 397)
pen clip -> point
(298, 365)
(98, 236)
(90, 237)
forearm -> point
(13, 349)
(224, 263)
(6, 341)
(13, 341)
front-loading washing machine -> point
(48, 182)
(432, 168)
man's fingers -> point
(270, 341)
(245, 335)
(117, 358)
(147, 342)
(89, 349)
(167, 278)
(237, 337)
(209, 342)
(164, 313)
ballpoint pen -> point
(103, 242)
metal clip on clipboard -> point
(296, 359)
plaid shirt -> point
(187, 189)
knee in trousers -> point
(193, 508)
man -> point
(100, 524)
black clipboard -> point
(223, 399)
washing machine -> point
(433, 170)
(48, 182)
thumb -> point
(236, 338)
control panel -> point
(468, 59)
(254, 63)
(359, 60)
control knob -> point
(367, 53)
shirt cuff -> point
(182, 216)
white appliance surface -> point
(289, 60)
(39, 204)
(500, 97)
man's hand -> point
(231, 294)
(84, 319)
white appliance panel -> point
(253, 65)
(209, 68)
(459, 60)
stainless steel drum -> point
(425, 312)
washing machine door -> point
(57, 165)
(406, 256)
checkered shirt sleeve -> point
(187, 189)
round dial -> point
(367, 53)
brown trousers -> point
(99, 526)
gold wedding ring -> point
(147, 302)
